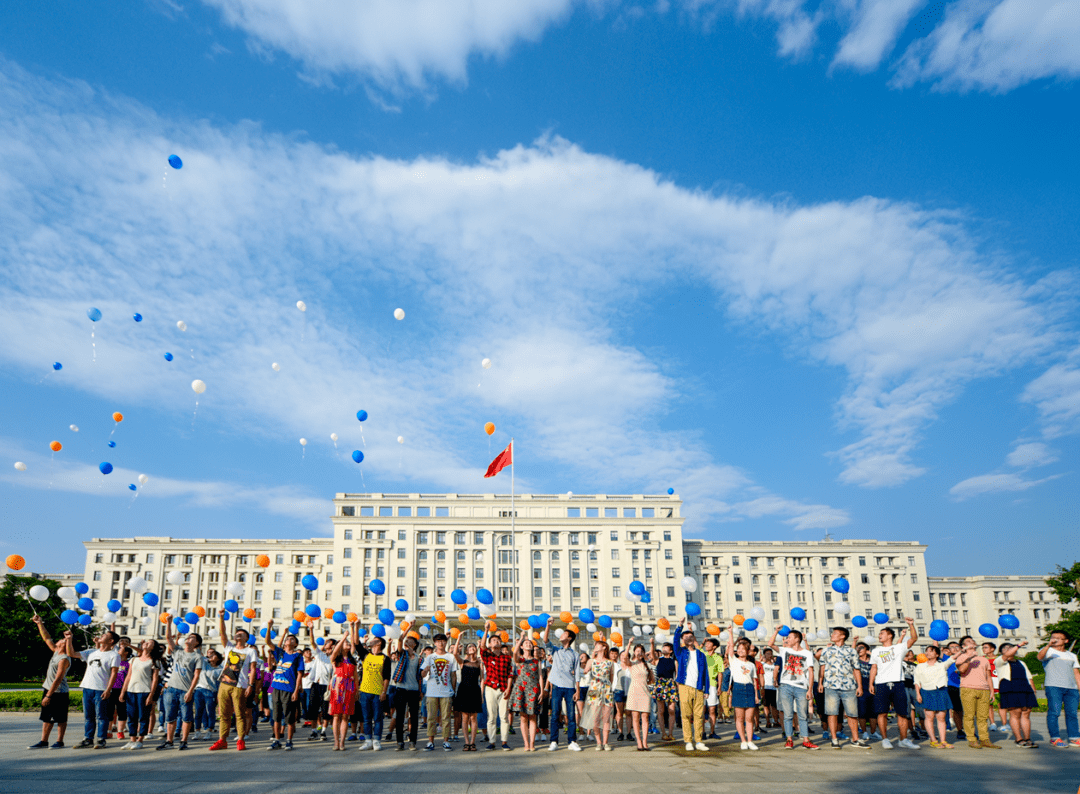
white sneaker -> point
(690, 746)
(377, 745)
(128, 746)
(137, 746)
(701, 746)
(876, 735)
(743, 746)
(599, 747)
(908, 744)
(992, 727)
(553, 746)
(886, 744)
(367, 745)
(574, 746)
(751, 746)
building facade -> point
(966, 602)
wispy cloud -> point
(995, 483)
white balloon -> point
(486, 610)
(198, 386)
(143, 479)
(646, 630)
(39, 592)
(66, 593)
(424, 630)
(761, 633)
(401, 439)
(757, 613)
(689, 625)
(109, 617)
(181, 325)
(303, 442)
(276, 367)
(823, 634)
(393, 631)
(20, 466)
(558, 634)
(689, 584)
(724, 636)
(584, 646)
(301, 306)
(637, 631)
(591, 627)
(410, 617)
(486, 363)
(211, 632)
(232, 588)
(138, 585)
(74, 428)
(333, 436)
(175, 577)
(843, 607)
(399, 314)
(569, 493)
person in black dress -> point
(469, 698)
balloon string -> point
(195, 413)
(362, 440)
(303, 453)
(364, 487)
(93, 344)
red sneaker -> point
(119, 734)
(789, 744)
(809, 745)
(240, 744)
(220, 744)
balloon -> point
(637, 588)
(671, 491)
(137, 317)
(176, 162)
(86, 604)
(361, 415)
(921, 658)
(841, 585)
(168, 356)
(738, 620)
(881, 618)
(85, 620)
(313, 610)
(399, 314)
(114, 606)
(66, 593)
(57, 366)
(663, 624)
(473, 613)
(843, 607)
(133, 487)
(379, 630)
(234, 589)
(401, 439)
(439, 617)
(859, 622)
(181, 325)
(489, 427)
(301, 306)
(232, 606)
(112, 444)
(117, 417)
(73, 428)
(276, 367)
(988, 630)
(689, 584)
(310, 582)
(749, 624)
(693, 610)
(20, 466)
(93, 314)
(198, 386)
(486, 363)
(137, 585)
(798, 613)
(386, 616)
(591, 628)
(175, 577)
(262, 561)
(55, 446)
(566, 617)
(376, 586)
(192, 618)
(303, 442)
(15, 562)
(646, 630)
(1009, 622)
(339, 617)
(603, 622)
(82, 588)
(150, 599)
(69, 616)
(586, 616)
(357, 455)
(458, 596)
(784, 631)
(401, 605)
(39, 592)
(485, 596)
(757, 613)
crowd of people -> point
(362, 690)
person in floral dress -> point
(638, 698)
(523, 690)
(601, 697)
(343, 689)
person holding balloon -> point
(374, 689)
(187, 666)
(1017, 694)
(468, 700)
(745, 688)
(562, 684)
(932, 691)
(321, 673)
(140, 691)
(666, 692)
(440, 669)
(54, 696)
(523, 692)
(285, 685)
(638, 700)
(102, 665)
(692, 678)
(407, 685)
(206, 695)
(887, 682)
(796, 684)
(976, 693)
(344, 685)
(237, 679)
(498, 666)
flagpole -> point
(513, 539)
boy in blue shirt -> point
(286, 685)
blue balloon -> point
(362, 632)
(485, 597)
(69, 616)
(586, 616)
(361, 415)
(85, 620)
(168, 356)
(192, 618)
(313, 610)
(151, 599)
(401, 605)
(294, 627)
(1007, 621)
(670, 491)
(114, 605)
(340, 617)
(262, 632)
(376, 586)
(645, 597)
(637, 588)
(544, 618)
(82, 588)
(93, 314)
(458, 597)
(379, 630)
(603, 622)
(532, 620)
(247, 619)
(137, 317)
(105, 467)
(57, 366)
(133, 487)
(386, 616)
(988, 630)
(319, 641)
(798, 613)
(177, 620)
(859, 622)
(357, 455)
(232, 606)
(881, 618)
(176, 162)
(86, 604)
(841, 585)
(749, 624)
(184, 628)
(693, 610)
(784, 630)
(112, 444)
(310, 582)
(473, 613)
(939, 630)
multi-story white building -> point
(966, 602)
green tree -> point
(1065, 585)
(25, 656)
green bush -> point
(1031, 659)
(31, 701)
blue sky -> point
(812, 265)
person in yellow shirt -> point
(374, 683)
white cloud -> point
(1029, 455)
(1056, 395)
(994, 483)
(875, 27)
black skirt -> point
(469, 699)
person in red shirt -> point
(497, 668)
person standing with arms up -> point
(796, 685)
(187, 665)
(54, 697)
(1062, 688)
(285, 686)
(887, 683)
(234, 689)
(692, 679)
(497, 667)
(102, 666)
(562, 683)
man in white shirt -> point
(102, 665)
(796, 692)
(322, 671)
(440, 669)
(237, 673)
(887, 682)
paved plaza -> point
(668, 768)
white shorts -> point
(713, 698)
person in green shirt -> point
(715, 660)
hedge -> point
(31, 701)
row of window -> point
(211, 559)
(804, 562)
(444, 512)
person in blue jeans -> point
(796, 685)
(562, 683)
(102, 666)
(187, 666)
(1062, 689)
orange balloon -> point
(572, 627)
(15, 562)
(461, 606)
(491, 625)
(921, 658)
(352, 617)
(118, 417)
(328, 613)
(262, 561)
(440, 617)
(455, 633)
(309, 621)
(524, 625)
(405, 625)
(463, 619)
(489, 428)
(415, 635)
(165, 617)
(299, 616)
(504, 636)
(566, 617)
(738, 620)
(616, 638)
(55, 446)
(200, 611)
(663, 624)
(712, 629)
(535, 636)
(249, 613)
(598, 636)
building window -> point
(423, 512)
(367, 510)
(862, 561)
(669, 573)
(914, 578)
(346, 571)
(97, 576)
(421, 573)
(915, 596)
(348, 510)
(444, 512)
(460, 539)
(478, 538)
(573, 538)
(553, 538)
(404, 511)
(629, 512)
(277, 595)
(592, 512)
(611, 512)
(573, 512)
(440, 537)
(735, 560)
(421, 537)
(614, 554)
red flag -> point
(502, 460)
